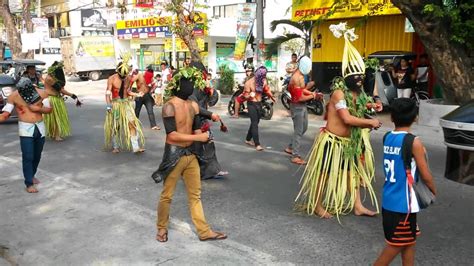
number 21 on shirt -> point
(389, 170)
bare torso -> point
(335, 124)
(48, 86)
(115, 81)
(24, 113)
(184, 112)
(141, 84)
(250, 87)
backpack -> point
(423, 194)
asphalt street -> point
(253, 205)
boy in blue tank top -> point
(399, 203)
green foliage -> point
(372, 63)
(191, 73)
(225, 84)
(459, 17)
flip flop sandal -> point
(164, 237)
(288, 152)
(298, 162)
(219, 236)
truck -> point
(88, 57)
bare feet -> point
(139, 151)
(58, 139)
(234, 116)
(156, 128)
(259, 148)
(115, 151)
(321, 212)
(250, 143)
(31, 189)
(362, 211)
(289, 151)
(298, 160)
(35, 180)
(162, 235)
(214, 236)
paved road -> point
(253, 205)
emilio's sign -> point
(315, 9)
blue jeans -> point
(31, 149)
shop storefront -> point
(152, 42)
(383, 30)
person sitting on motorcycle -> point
(240, 99)
(300, 93)
(290, 68)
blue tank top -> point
(397, 195)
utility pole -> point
(38, 8)
(260, 32)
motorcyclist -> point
(249, 73)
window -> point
(227, 11)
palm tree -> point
(304, 27)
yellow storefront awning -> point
(315, 9)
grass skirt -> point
(339, 174)
(57, 122)
(116, 126)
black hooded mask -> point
(352, 82)
(27, 91)
(186, 88)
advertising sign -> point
(247, 14)
(181, 45)
(144, 3)
(315, 9)
(41, 28)
(94, 47)
(91, 18)
(143, 28)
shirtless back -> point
(184, 112)
(48, 86)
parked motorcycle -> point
(267, 104)
(315, 106)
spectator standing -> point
(404, 76)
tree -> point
(304, 27)
(12, 28)
(185, 22)
(446, 29)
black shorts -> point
(399, 231)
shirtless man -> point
(300, 94)
(31, 103)
(122, 129)
(146, 99)
(253, 91)
(182, 125)
(333, 160)
(57, 122)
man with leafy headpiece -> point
(57, 122)
(122, 129)
(183, 127)
(341, 159)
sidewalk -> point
(70, 224)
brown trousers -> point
(188, 168)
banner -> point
(247, 14)
(41, 28)
(144, 3)
(94, 47)
(314, 9)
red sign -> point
(144, 3)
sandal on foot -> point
(218, 236)
(298, 161)
(289, 151)
(162, 238)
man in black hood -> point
(210, 167)
(183, 128)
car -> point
(8, 83)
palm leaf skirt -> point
(57, 122)
(118, 123)
(332, 177)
